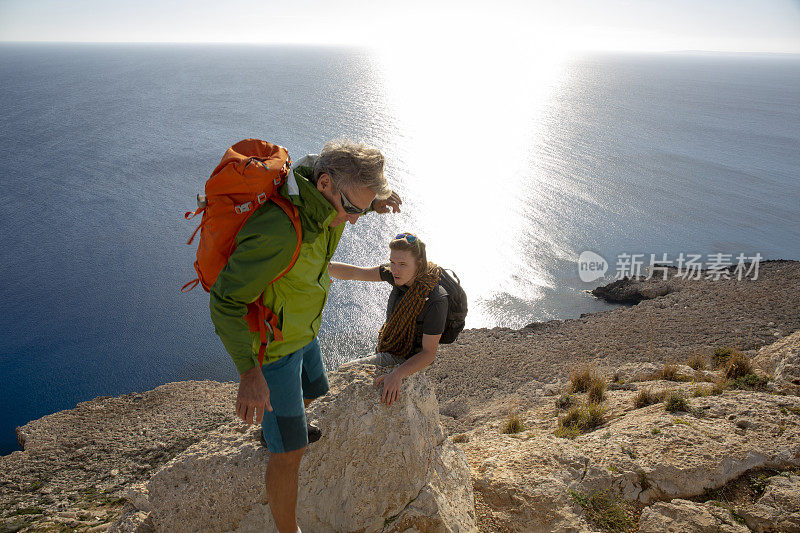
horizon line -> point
(362, 45)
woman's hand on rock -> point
(391, 387)
(253, 396)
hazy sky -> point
(735, 25)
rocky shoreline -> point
(77, 465)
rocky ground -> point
(727, 463)
(489, 371)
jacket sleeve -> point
(257, 260)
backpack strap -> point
(260, 317)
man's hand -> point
(390, 204)
(391, 387)
(253, 396)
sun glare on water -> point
(467, 113)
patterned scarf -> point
(397, 334)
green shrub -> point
(566, 432)
(748, 382)
(676, 402)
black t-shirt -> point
(431, 318)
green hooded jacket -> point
(264, 248)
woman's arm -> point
(393, 380)
(345, 271)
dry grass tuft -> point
(698, 361)
(721, 356)
(580, 419)
(513, 425)
(670, 372)
(707, 390)
(580, 378)
(606, 511)
(565, 401)
(584, 377)
(738, 366)
(597, 391)
(675, 401)
(644, 398)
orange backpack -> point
(250, 174)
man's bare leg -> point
(282, 488)
(281, 480)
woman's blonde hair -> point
(417, 249)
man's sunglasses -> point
(409, 237)
(348, 205)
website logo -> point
(591, 266)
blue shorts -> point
(290, 379)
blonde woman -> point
(415, 313)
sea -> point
(510, 167)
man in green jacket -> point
(339, 185)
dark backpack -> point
(456, 306)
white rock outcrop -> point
(683, 516)
(376, 468)
(781, 360)
(645, 455)
(778, 509)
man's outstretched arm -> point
(392, 203)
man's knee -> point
(286, 459)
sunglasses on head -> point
(348, 206)
(409, 237)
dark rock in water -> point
(631, 291)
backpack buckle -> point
(262, 198)
(243, 208)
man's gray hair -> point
(353, 165)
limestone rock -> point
(683, 516)
(375, 468)
(637, 372)
(781, 360)
(132, 521)
(630, 372)
(641, 455)
(778, 509)
(687, 373)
